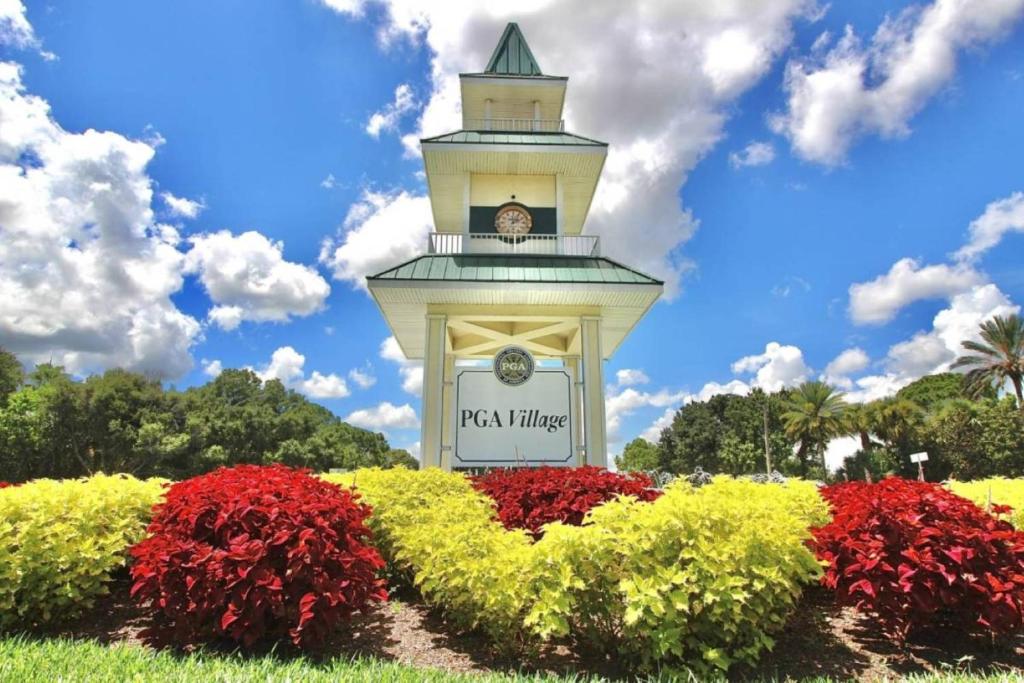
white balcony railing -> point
(538, 245)
(516, 125)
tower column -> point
(448, 413)
(572, 365)
(595, 437)
(433, 391)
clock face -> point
(513, 219)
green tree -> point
(814, 416)
(931, 390)
(997, 358)
(639, 455)
(11, 375)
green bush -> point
(61, 540)
(698, 578)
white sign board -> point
(497, 425)
(919, 457)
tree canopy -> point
(120, 421)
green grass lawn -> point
(25, 660)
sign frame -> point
(460, 463)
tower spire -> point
(512, 56)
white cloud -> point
(250, 280)
(754, 154)
(849, 362)
(329, 182)
(379, 232)
(777, 368)
(628, 377)
(790, 285)
(212, 368)
(364, 379)
(653, 433)
(385, 416)
(86, 275)
(657, 79)
(16, 31)
(879, 300)
(838, 449)
(628, 401)
(411, 371)
(837, 95)
(1001, 217)
(387, 118)
(286, 364)
(180, 206)
(934, 350)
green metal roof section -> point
(515, 268)
(512, 56)
(469, 137)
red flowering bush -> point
(913, 553)
(250, 552)
(5, 484)
(530, 498)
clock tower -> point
(511, 272)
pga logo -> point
(513, 365)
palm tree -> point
(813, 414)
(859, 421)
(998, 358)
(897, 422)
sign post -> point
(920, 458)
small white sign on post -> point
(498, 425)
(919, 457)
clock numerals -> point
(513, 219)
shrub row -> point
(697, 578)
(915, 554)
(529, 498)
(61, 540)
(248, 553)
(995, 491)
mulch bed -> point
(820, 639)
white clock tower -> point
(510, 268)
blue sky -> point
(778, 180)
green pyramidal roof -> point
(512, 56)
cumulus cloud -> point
(86, 274)
(879, 300)
(247, 276)
(387, 119)
(838, 94)
(664, 421)
(410, 371)
(212, 368)
(629, 400)
(380, 231)
(657, 79)
(628, 377)
(1001, 217)
(777, 368)
(849, 362)
(183, 207)
(363, 378)
(16, 31)
(754, 154)
(287, 364)
(384, 416)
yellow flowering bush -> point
(60, 541)
(698, 578)
(1002, 491)
(435, 527)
